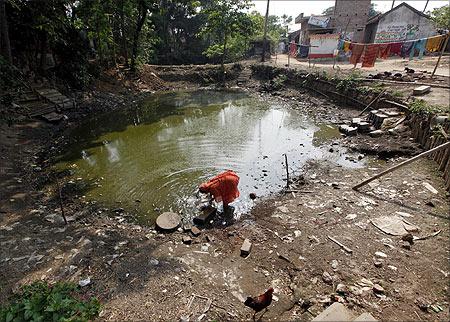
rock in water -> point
(168, 221)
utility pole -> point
(426, 4)
(263, 58)
(393, 2)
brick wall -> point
(351, 15)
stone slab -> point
(335, 312)
(421, 90)
(168, 221)
(365, 317)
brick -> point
(195, 231)
(246, 248)
(186, 240)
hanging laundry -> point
(419, 45)
(384, 50)
(346, 46)
(434, 43)
(406, 48)
(396, 48)
(357, 52)
(370, 55)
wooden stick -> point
(373, 101)
(287, 170)
(60, 201)
(428, 236)
(442, 146)
(440, 56)
(348, 250)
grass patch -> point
(422, 107)
(40, 301)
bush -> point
(42, 302)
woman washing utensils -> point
(223, 187)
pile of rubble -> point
(377, 123)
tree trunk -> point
(224, 54)
(140, 23)
(124, 37)
(5, 46)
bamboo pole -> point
(287, 170)
(442, 146)
(60, 201)
(371, 103)
(440, 56)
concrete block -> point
(356, 121)
(335, 312)
(421, 90)
(365, 317)
(376, 133)
(205, 216)
(363, 126)
(348, 130)
(246, 248)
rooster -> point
(259, 303)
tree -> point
(328, 11)
(373, 11)
(285, 21)
(5, 47)
(441, 17)
(225, 19)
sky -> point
(295, 7)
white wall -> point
(403, 24)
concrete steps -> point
(244, 76)
(338, 312)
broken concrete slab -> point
(421, 90)
(246, 248)
(393, 225)
(365, 317)
(335, 312)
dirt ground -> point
(140, 274)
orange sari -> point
(223, 187)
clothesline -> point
(379, 43)
(395, 42)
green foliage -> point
(441, 17)
(349, 82)
(41, 302)
(278, 82)
(420, 106)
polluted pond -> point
(153, 158)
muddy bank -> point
(139, 273)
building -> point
(400, 23)
(349, 18)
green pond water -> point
(152, 158)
